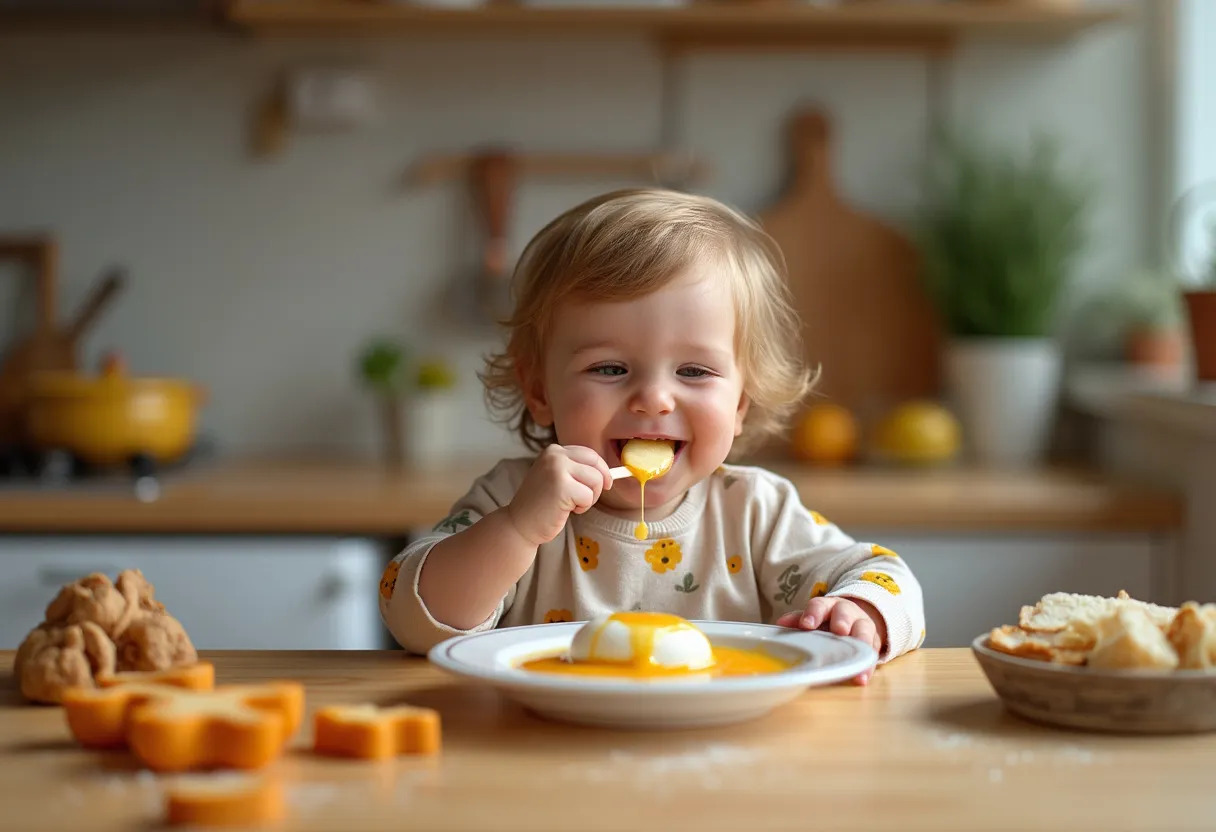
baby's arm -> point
(402, 608)
(461, 577)
(801, 555)
(466, 575)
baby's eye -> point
(607, 370)
(694, 372)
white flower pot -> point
(430, 430)
(1004, 391)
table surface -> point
(925, 746)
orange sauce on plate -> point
(644, 630)
(728, 661)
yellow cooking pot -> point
(112, 418)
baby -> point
(657, 315)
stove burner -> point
(61, 470)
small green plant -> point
(1000, 236)
(1148, 300)
(384, 366)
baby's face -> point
(660, 367)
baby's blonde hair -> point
(626, 244)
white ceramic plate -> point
(818, 659)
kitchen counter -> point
(321, 497)
(926, 746)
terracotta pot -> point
(1201, 310)
(1154, 347)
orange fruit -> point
(826, 434)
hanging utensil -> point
(492, 178)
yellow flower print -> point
(558, 616)
(388, 581)
(588, 553)
(820, 588)
(922, 638)
(883, 580)
(664, 555)
(819, 519)
(882, 551)
(734, 565)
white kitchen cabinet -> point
(270, 592)
(975, 582)
(310, 592)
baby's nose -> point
(652, 399)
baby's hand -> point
(563, 479)
(844, 617)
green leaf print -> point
(687, 584)
(788, 584)
(452, 524)
(729, 480)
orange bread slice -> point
(229, 799)
(238, 726)
(97, 717)
(197, 676)
(98, 720)
(172, 728)
(376, 733)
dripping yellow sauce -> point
(644, 629)
(640, 531)
(646, 459)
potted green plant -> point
(382, 369)
(998, 242)
(431, 414)
(414, 401)
(1151, 319)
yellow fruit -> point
(918, 432)
(826, 434)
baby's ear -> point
(741, 412)
(535, 398)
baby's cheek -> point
(580, 421)
(712, 447)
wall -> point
(261, 279)
(1195, 138)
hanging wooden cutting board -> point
(867, 322)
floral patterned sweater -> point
(740, 547)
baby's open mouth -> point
(618, 445)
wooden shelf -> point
(328, 496)
(706, 23)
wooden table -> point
(925, 746)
